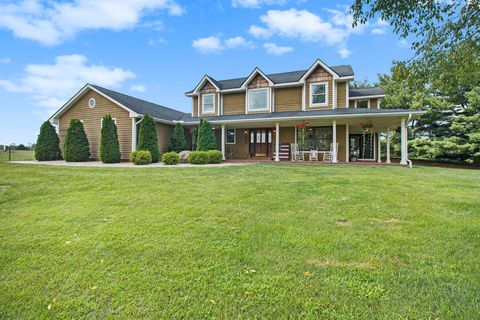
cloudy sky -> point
(159, 49)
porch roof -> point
(305, 115)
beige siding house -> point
(256, 115)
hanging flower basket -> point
(366, 126)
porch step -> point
(284, 154)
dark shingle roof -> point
(141, 106)
(364, 92)
(283, 77)
(292, 114)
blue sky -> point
(159, 49)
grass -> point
(18, 155)
(259, 241)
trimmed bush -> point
(198, 157)
(177, 141)
(48, 144)
(109, 146)
(141, 157)
(170, 158)
(206, 138)
(214, 156)
(76, 146)
(147, 137)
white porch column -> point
(134, 134)
(403, 142)
(277, 141)
(388, 146)
(334, 129)
(347, 142)
(223, 141)
(379, 152)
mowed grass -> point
(18, 155)
(256, 241)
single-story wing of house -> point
(256, 115)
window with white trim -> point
(258, 99)
(208, 103)
(101, 122)
(362, 104)
(318, 94)
(230, 136)
(91, 103)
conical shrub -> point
(47, 147)
(76, 147)
(147, 137)
(109, 146)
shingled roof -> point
(141, 106)
(365, 92)
(278, 78)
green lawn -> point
(17, 155)
(259, 241)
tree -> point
(177, 141)
(147, 137)
(48, 143)
(109, 146)
(206, 138)
(76, 147)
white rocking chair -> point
(296, 154)
(313, 155)
(328, 156)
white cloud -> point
(274, 49)
(256, 3)
(51, 85)
(379, 31)
(5, 60)
(153, 42)
(403, 43)
(138, 88)
(344, 52)
(259, 32)
(214, 44)
(53, 22)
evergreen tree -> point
(76, 147)
(48, 144)
(147, 137)
(109, 146)
(177, 141)
(206, 138)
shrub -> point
(109, 147)
(147, 137)
(48, 144)
(76, 146)
(206, 138)
(170, 158)
(141, 157)
(177, 141)
(214, 156)
(198, 157)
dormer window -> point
(258, 99)
(208, 103)
(318, 94)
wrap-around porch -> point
(343, 139)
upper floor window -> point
(318, 94)
(362, 104)
(258, 99)
(208, 103)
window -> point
(230, 136)
(208, 103)
(91, 103)
(258, 99)
(318, 94)
(318, 138)
(362, 104)
(101, 122)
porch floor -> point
(357, 163)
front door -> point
(260, 142)
(361, 147)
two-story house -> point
(257, 115)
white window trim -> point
(325, 104)
(101, 122)
(368, 100)
(234, 136)
(94, 103)
(268, 107)
(203, 103)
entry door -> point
(361, 147)
(261, 142)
